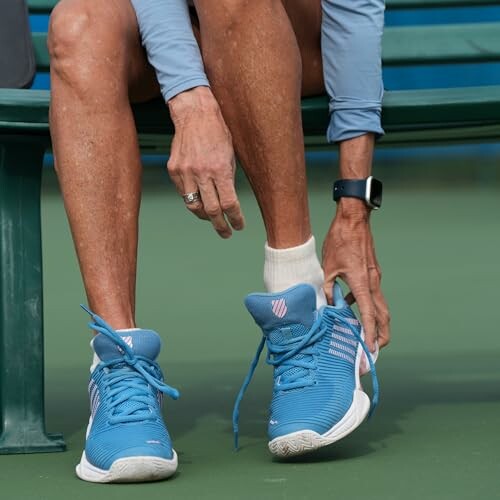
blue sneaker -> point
(127, 440)
(317, 395)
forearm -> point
(355, 162)
(351, 45)
(171, 47)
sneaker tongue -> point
(285, 314)
(145, 343)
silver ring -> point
(190, 198)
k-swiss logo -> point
(279, 308)
(128, 340)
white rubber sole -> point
(297, 443)
(300, 442)
(128, 470)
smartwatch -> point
(369, 190)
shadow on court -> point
(408, 383)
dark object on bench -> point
(17, 58)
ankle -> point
(284, 268)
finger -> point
(328, 288)
(184, 186)
(197, 207)
(174, 174)
(213, 209)
(381, 309)
(229, 203)
(367, 310)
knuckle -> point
(229, 204)
(212, 211)
(184, 167)
(212, 169)
(384, 341)
(385, 318)
(369, 314)
(173, 167)
(194, 207)
(200, 171)
(197, 171)
(359, 282)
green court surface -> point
(436, 432)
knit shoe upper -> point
(126, 390)
(315, 358)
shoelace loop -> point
(282, 361)
(282, 358)
(129, 378)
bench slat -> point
(45, 6)
(453, 43)
(41, 51)
(406, 110)
(41, 6)
(441, 113)
(444, 43)
(431, 4)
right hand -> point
(202, 159)
(349, 254)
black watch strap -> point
(369, 190)
(349, 189)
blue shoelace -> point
(129, 378)
(281, 357)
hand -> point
(202, 159)
(349, 254)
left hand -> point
(202, 159)
(349, 254)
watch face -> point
(376, 193)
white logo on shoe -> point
(128, 340)
(273, 422)
(279, 307)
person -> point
(232, 73)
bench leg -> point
(22, 412)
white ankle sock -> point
(96, 360)
(287, 267)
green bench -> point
(409, 117)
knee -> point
(70, 23)
(85, 39)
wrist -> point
(198, 99)
(356, 157)
(353, 209)
(368, 191)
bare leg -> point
(253, 61)
(96, 65)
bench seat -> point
(402, 46)
(423, 116)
